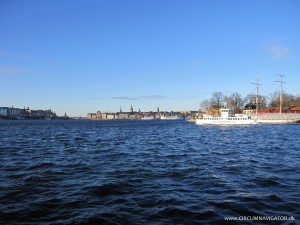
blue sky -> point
(84, 56)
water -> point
(146, 172)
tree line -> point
(237, 103)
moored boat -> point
(226, 118)
(148, 118)
(170, 117)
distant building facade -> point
(16, 113)
(136, 115)
(9, 112)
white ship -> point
(148, 118)
(226, 118)
(170, 117)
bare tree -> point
(262, 101)
(215, 103)
(295, 101)
(250, 101)
(204, 105)
(274, 99)
(235, 101)
(287, 99)
(216, 100)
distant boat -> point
(170, 117)
(148, 118)
(226, 118)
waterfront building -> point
(94, 116)
(36, 113)
(284, 110)
(9, 112)
(104, 116)
(295, 109)
(99, 115)
(110, 116)
(132, 116)
(13, 112)
(3, 111)
(249, 108)
(123, 116)
(16, 113)
(91, 116)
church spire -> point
(131, 108)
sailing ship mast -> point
(281, 84)
(256, 96)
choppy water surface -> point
(146, 172)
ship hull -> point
(170, 118)
(147, 118)
(224, 122)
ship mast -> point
(256, 96)
(281, 85)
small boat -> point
(170, 117)
(226, 118)
(148, 118)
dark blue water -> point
(146, 172)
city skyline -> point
(83, 56)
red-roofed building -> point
(295, 109)
(286, 109)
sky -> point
(83, 56)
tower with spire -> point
(131, 108)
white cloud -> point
(277, 49)
(131, 98)
(9, 71)
(96, 98)
(124, 98)
(11, 54)
(278, 52)
(153, 97)
(26, 57)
